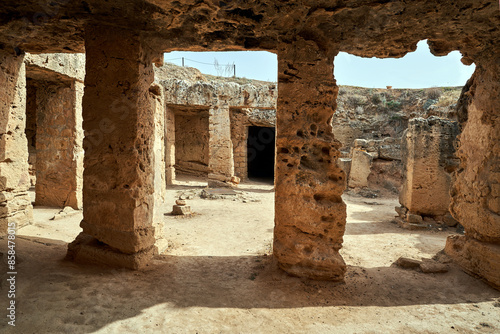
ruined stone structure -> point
(122, 40)
(429, 160)
(206, 125)
(54, 112)
(374, 164)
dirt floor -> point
(218, 276)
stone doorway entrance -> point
(261, 149)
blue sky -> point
(419, 69)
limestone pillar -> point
(169, 145)
(15, 205)
(310, 214)
(476, 190)
(119, 125)
(428, 154)
(59, 164)
(160, 191)
(221, 165)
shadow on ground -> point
(93, 296)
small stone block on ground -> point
(414, 219)
(181, 210)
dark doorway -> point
(260, 152)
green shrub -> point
(393, 105)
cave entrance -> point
(261, 145)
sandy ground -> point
(218, 277)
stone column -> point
(310, 214)
(118, 180)
(15, 205)
(221, 165)
(169, 145)
(476, 190)
(160, 190)
(239, 137)
(428, 154)
(59, 144)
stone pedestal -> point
(15, 205)
(119, 124)
(310, 214)
(475, 194)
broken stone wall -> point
(374, 164)
(16, 210)
(192, 143)
(428, 152)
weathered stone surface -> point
(449, 220)
(212, 93)
(192, 142)
(59, 137)
(157, 99)
(169, 145)
(408, 263)
(220, 144)
(428, 160)
(433, 267)
(476, 257)
(414, 219)
(15, 205)
(309, 212)
(181, 210)
(119, 122)
(365, 28)
(381, 115)
(345, 165)
(360, 168)
(58, 65)
(475, 195)
(86, 249)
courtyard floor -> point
(218, 276)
